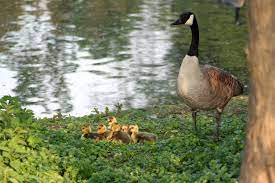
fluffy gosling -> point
(117, 135)
(137, 136)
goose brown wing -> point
(221, 82)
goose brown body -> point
(204, 86)
(235, 3)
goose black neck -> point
(193, 50)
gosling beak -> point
(177, 22)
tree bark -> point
(258, 165)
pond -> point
(73, 55)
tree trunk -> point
(259, 161)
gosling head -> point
(186, 18)
(125, 128)
(86, 129)
(101, 129)
(112, 120)
(133, 128)
(116, 128)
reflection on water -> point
(71, 56)
(38, 59)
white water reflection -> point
(105, 82)
(29, 55)
(7, 82)
(150, 43)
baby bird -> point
(111, 120)
(87, 133)
(102, 131)
(119, 136)
(125, 128)
(137, 136)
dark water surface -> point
(73, 55)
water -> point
(72, 55)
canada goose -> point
(119, 136)
(87, 133)
(237, 5)
(137, 136)
(125, 128)
(102, 130)
(111, 120)
(203, 87)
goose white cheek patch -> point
(190, 20)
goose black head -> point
(185, 18)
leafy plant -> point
(118, 108)
(12, 112)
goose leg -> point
(237, 15)
(194, 117)
(218, 122)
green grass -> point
(50, 150)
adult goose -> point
(237, 4)
(203, 87)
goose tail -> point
(239, 88)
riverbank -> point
(50, 149)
